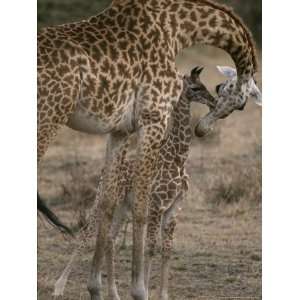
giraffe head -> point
(227, 88)
(195, 91)
(232, 95)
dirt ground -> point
(217, 251)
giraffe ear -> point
(195, 73)
(255, 93)
(227, 71)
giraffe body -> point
(119, 66)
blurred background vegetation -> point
(52, 12)
(222, 210)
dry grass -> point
(81, 192)
(239, 181)
(217, 252)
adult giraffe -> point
(115, 73)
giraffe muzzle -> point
(203, 128)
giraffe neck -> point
(191, 22)
(181, 133)
(184, 23)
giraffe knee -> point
(138, 292)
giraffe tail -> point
(51, 217)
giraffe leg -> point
(81, 240)
(149, 144)
(167, 245)
(110, 264)
(104, 243)
(95, 281)
(124, 240)
(115, 153)
(120, 215)
(154, 219)
(61, 282)
(167, 231)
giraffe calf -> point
(168, 189)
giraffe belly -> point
(86, 122)
(122, 120)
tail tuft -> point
(51, 217)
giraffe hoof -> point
(139, 293)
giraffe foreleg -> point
(154, 220)
(149, 142)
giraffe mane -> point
(229, 11)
